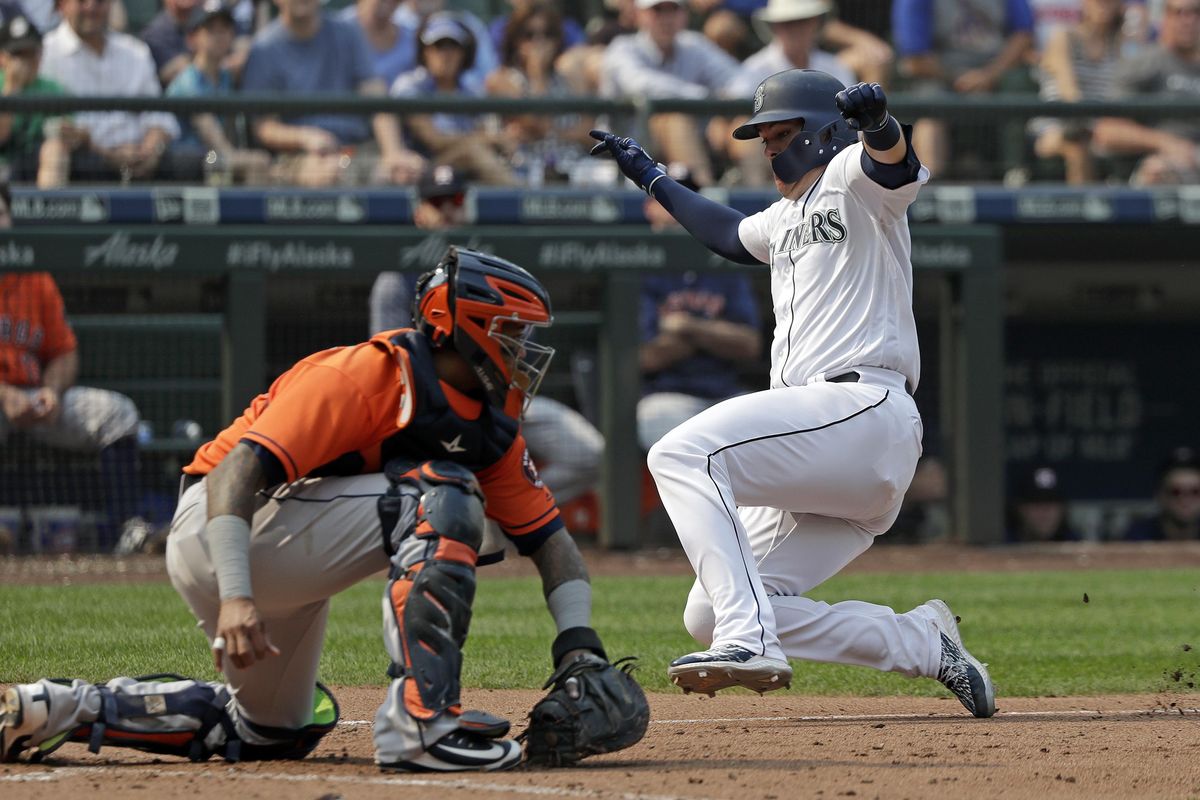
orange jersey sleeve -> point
(518, 500)
(339, 401)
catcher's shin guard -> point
(432, 586)
(165, 714)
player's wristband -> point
(885, 136)
(229, 543)
(581, 638)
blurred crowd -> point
(1058, 50)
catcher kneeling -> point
(410, 441)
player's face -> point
(776, 136)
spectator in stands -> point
(698, 328)
(572, 31)
(565, 447)
(862, 44)
(392, 49)
(306, 52)
(1038, 510)
(210, 33)
(87, 58)
(1078, 63)
(544, 147)
(32, 145)
(664, 59)
(793, 27)
(445, 51)
(1051, 16)
(412, 13)
(1169, 70)
(582, 66)
(166, 36)
(1178, 498)
(949, 45)
(39, 360)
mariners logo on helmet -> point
(759, 93)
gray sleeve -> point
(391, 302)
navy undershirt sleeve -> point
(272, 469)
(893, 176)
(714, 225)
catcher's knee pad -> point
(172, 715)
(438, 497)
(433, 581)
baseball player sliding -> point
(360, 459)
(774, 492)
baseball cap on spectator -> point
(653, 3)
(1179, 458)
(444, 26)
(207, 11)
(441, 180)
(18, 33)
(789, 10)
(1038, 485)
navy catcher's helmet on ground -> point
(805, 95)
(487, 308)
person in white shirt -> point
(793, 27)
(663, 59)
(87, 58)
(773, 492)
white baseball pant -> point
(772, 493)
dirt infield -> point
(737, 745)
(732, 746)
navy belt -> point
(845, 377)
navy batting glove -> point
(634, 162)
(864, 106)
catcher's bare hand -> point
(242, 633)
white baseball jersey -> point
(841, 275)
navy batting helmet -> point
(806, 95)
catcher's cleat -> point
(23, 712)
(961, 672)
(460, 751)
(722, 666)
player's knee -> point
(671, 453)
(455, 510)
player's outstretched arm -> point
(714, 225)
(864, 107)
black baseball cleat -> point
(961, 672)
(460, 751)
(725, 665)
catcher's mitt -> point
(594, 707)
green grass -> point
(1036, 631)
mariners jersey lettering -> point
(349, 410)
(841, 276)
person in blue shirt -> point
(697, 327)
(308, 52)
(210, 36)
(446, 51)
(958, 46)
(393, 48)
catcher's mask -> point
(487, 309)
(807, 96)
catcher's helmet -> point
(806, 95)
(486, 308)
